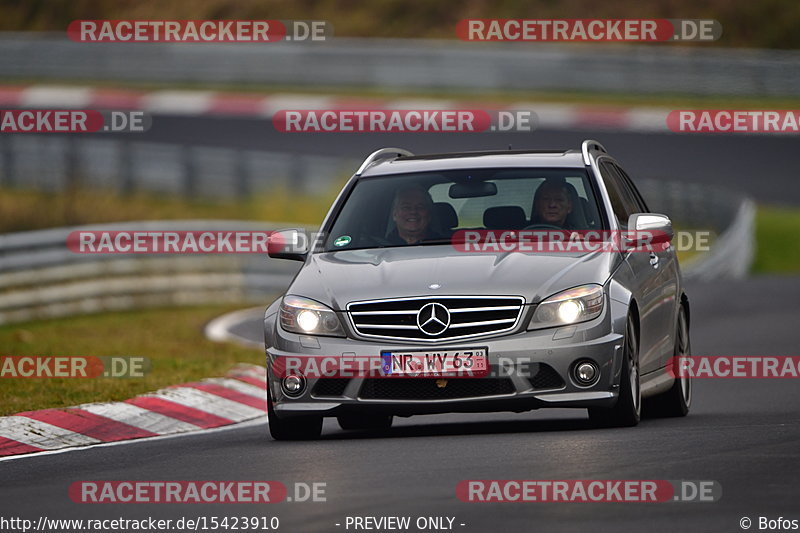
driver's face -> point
(412, 213)
(553, 205)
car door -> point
(665, 263)
(645, 282)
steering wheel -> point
(544, 226)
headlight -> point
(569, 307)
(307, 317)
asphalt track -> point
(744, 434)
(763, 166)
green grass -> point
(23, 210)
(172, 339)
(777, 240)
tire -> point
(293, 428)
(678, 399)
(365, 422)
(628, 410)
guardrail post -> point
(71, 182)
(8, 162)
(241, 174)
(297, 169)
(189, 172)
(71, 176)
(127, 178)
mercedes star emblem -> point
(433, 318)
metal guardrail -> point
(410, 64)
(728, 214)
(41, 278)
(53, 163)
(733, 252)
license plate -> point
(469, 362)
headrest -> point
(445, 214)
(504, 217)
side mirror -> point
(288, 244)
(650, 228)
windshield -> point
(427, 208)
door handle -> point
(653, 260)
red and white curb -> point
(220, 329)
(183, 408)
(196, 103)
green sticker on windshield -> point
(344, 240)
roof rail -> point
(383, 153)
(591, 145)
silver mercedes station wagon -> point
(479, 282)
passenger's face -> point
(412, 213)
(553, 205)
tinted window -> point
(632, 191)
(622, 202)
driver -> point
(552, 204)
(412, 210)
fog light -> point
(586, 373)
(293, 385)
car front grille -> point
(433, 389)
(454, 317)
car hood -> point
(338, 278)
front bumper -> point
(529, 369)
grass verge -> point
(777, 240)
(24, 210)
(501, 97)
(172, 339)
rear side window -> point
(632, 190)
(622, 201)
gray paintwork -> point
(409, 271)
